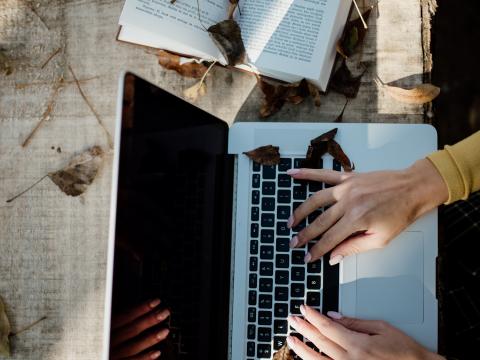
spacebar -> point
(331, 279)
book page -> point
(178, 21)
(288, 36)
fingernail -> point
(161, 315)
(307, 258)
(294, 241)
(290, 341)
(162, 334)
(334, 315)
(290, 221)
(303, 310)
(335, 260)
(293, 171)
(155, 355)
(154, 303)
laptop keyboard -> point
(279, 281)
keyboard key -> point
(265, 317)
(278, 342)
(285, 164)
(314, 186)
(252, 281)
(281, 293)
(295, 306)
(284, 180)
(313, 298)
(266, 236)
(284, 196)
(296, 204)
(256, 166)
(281, 277)
(299, 192)
(268, 220)
(282, 229)
(252, 297)
(314, 282)
(266, 252)
(253, 263)
(250, 348)
(252, 314)
(281, 310)
(255, 213)
(266, 268)
(255, 197)
(264, 334)
(265, 301)
(268, 203)
(254, 230)
(268, 188)
(315, 267)
(311, 244)
(282, 244)
(265, 285)
(297, 290)
(337, 166)
(253, 247)
(264, 351)
(297, 273)
(283, 212)
(297, 163)
(280, 326)
(251, 332)
(281, 261)
(256, 181)
(269, 171)
(300, 226)
(298, 257)
(312, 216)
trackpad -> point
(390, 281)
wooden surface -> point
(53, 247)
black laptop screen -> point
(173, 219)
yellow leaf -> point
(195, 91)
(420, 94)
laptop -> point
(197, 224)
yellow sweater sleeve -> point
(459, 166)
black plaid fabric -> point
(459, 279)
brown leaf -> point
(228, 38)
(80, 172)
(4, 331)
(284, 353)
(314, 93)
(5, 66)
(340, 116)
(338, 154)
(325, 137)
(195, 91)
(344, 82)
(172, 62)
(265, 155)
(419, 94)
(353, 35)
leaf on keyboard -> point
(227, 37)
(329, 135)
(265, 155)
(4, 331)
(283, 354)
(338, 154)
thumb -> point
(354, 245)
(370, 327)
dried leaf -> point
(4, 331)
(315, 94)
(353, 35)
(283, 354)
(338, 154)
(195, 91)
(325, 137)
(265, 155)
(344, 82)
(172, 62)
(420, 94)
(5, 66)
(340, 116)
(227, 37)
(80, 172)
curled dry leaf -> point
(326, 137)
(80, 172)
(344, 82)
(420, 94)
(353, 35)
(338, 154)
(284, 353)
(4, 331)
(265, 155)
(227, 37)
(172, 62)
(195, 91)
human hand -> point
(124, 343)
(349, 339)
(367, 210)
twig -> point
(32, 9)
(47, 112)
(38, 83)
(109, 137)
(360, 15)
(24, 191)
(28, 327)
(50, 57)
(206, 72)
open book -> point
(284, 39)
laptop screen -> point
(173, 219)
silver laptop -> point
(199, 225)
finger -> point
(317, 200)
(321, 224)
(331, 177)
(148, 356)
(370, 327)
(355, 245)
(122, 319)
(133, 329)
(303, 350)
(334, 236)
(137, 346)
(334, 331)
(321, 341)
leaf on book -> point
(4, 331)
(344, 82)
(172, 62)
(353, 35)
(419, 94)
(265, 155)
(5, 67)
(227, 37)
(195, 91)
(284, 353)
(340, 116)
(80, 172)
(338, 154)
